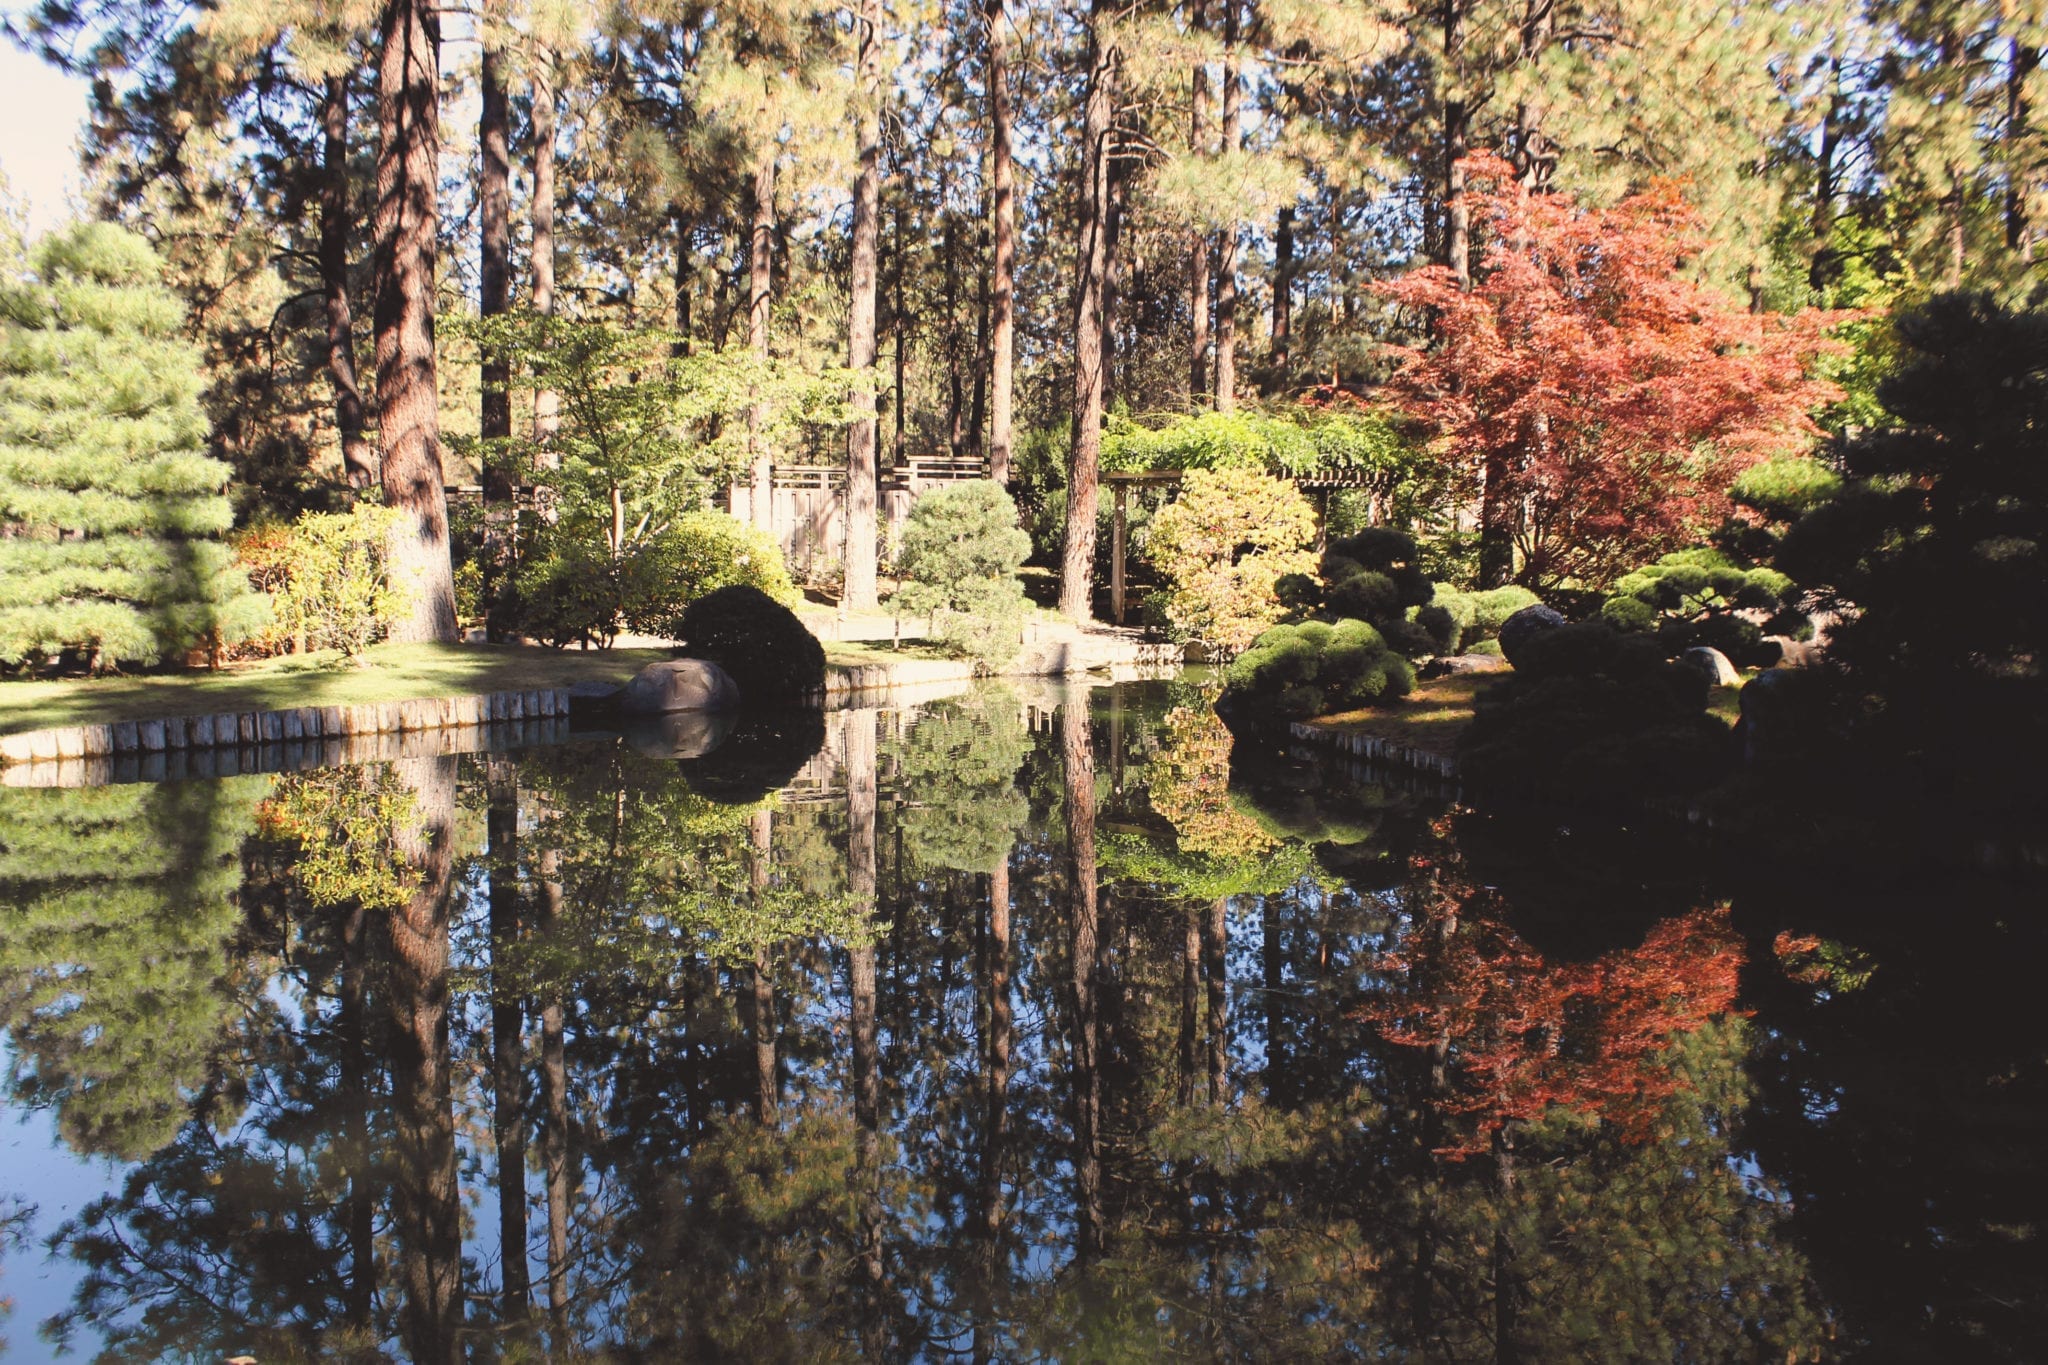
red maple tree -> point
(1518, 1034)
(1600, 396)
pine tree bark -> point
(426, 1195)
(1826, 177)
(1077, 556)
(1283, 285)
(760, 296)
(1232, 96)
(862, 435)
(508, 1025)
(546, 403)
(1077, 772)
(1457, 138)
(358, 465)
(685, 239)
(408, 405)
(494, 299)
(2019, 65)
(1003, 265)
(1198, 244)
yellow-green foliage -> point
(338, 592)
(701, 553)
(1222, 545)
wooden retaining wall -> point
(236, 742)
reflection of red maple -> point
(1588, 377)
(1519, 1035)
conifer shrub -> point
(1460, 622)
(959, 558)
(1292, 672)
(758, 641)
(1375, 576)
(113, 520)
(1704, 598)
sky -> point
(41, 113)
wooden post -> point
(1116, 556)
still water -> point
(1006, 1027)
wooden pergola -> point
(1121, 484)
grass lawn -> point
(859, 653)
(389, 673)
(1429, 718)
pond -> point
(1006, 1027)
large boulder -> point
(1525, 625)
(1470, 663)
(1711, 664)
(680, 685)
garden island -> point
(1011, 681)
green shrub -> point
(1458, 622)
(959, 559)
(701, 553)
(1703, 598)
(1595, 715)
(566, 591)
(1295, 671)
(338, 592)
(758, 641)
(1376, 576)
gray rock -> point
(680, 685)
(1711, 664)
(1524, 626)
(1471, 663)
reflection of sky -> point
(41, 1171)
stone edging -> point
(1374, 749)
(251, 729)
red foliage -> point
(1517, 1034)
(1590, 380)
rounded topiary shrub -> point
(1295, 671)
(759, 642)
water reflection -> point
(1005, 1029)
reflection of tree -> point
(956, 780)
(117, 913)
(1523, 1034)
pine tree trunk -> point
(1457, 133)
(863, 434)
(546, 403)
(902, 322)
(554, 1086)
(2020, 65)
(686, 233)
(1077, 772)
(358, 465)
(408, 405)
(426, 1196)
(1283, 285)
(1227, 246)
(1077, 556)
(508, 1024)
(494, 299)
(767, 1080)
(1198, 245)
(1003, 266)
(760, 296)
(1821, 268)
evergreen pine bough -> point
(111, 515)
